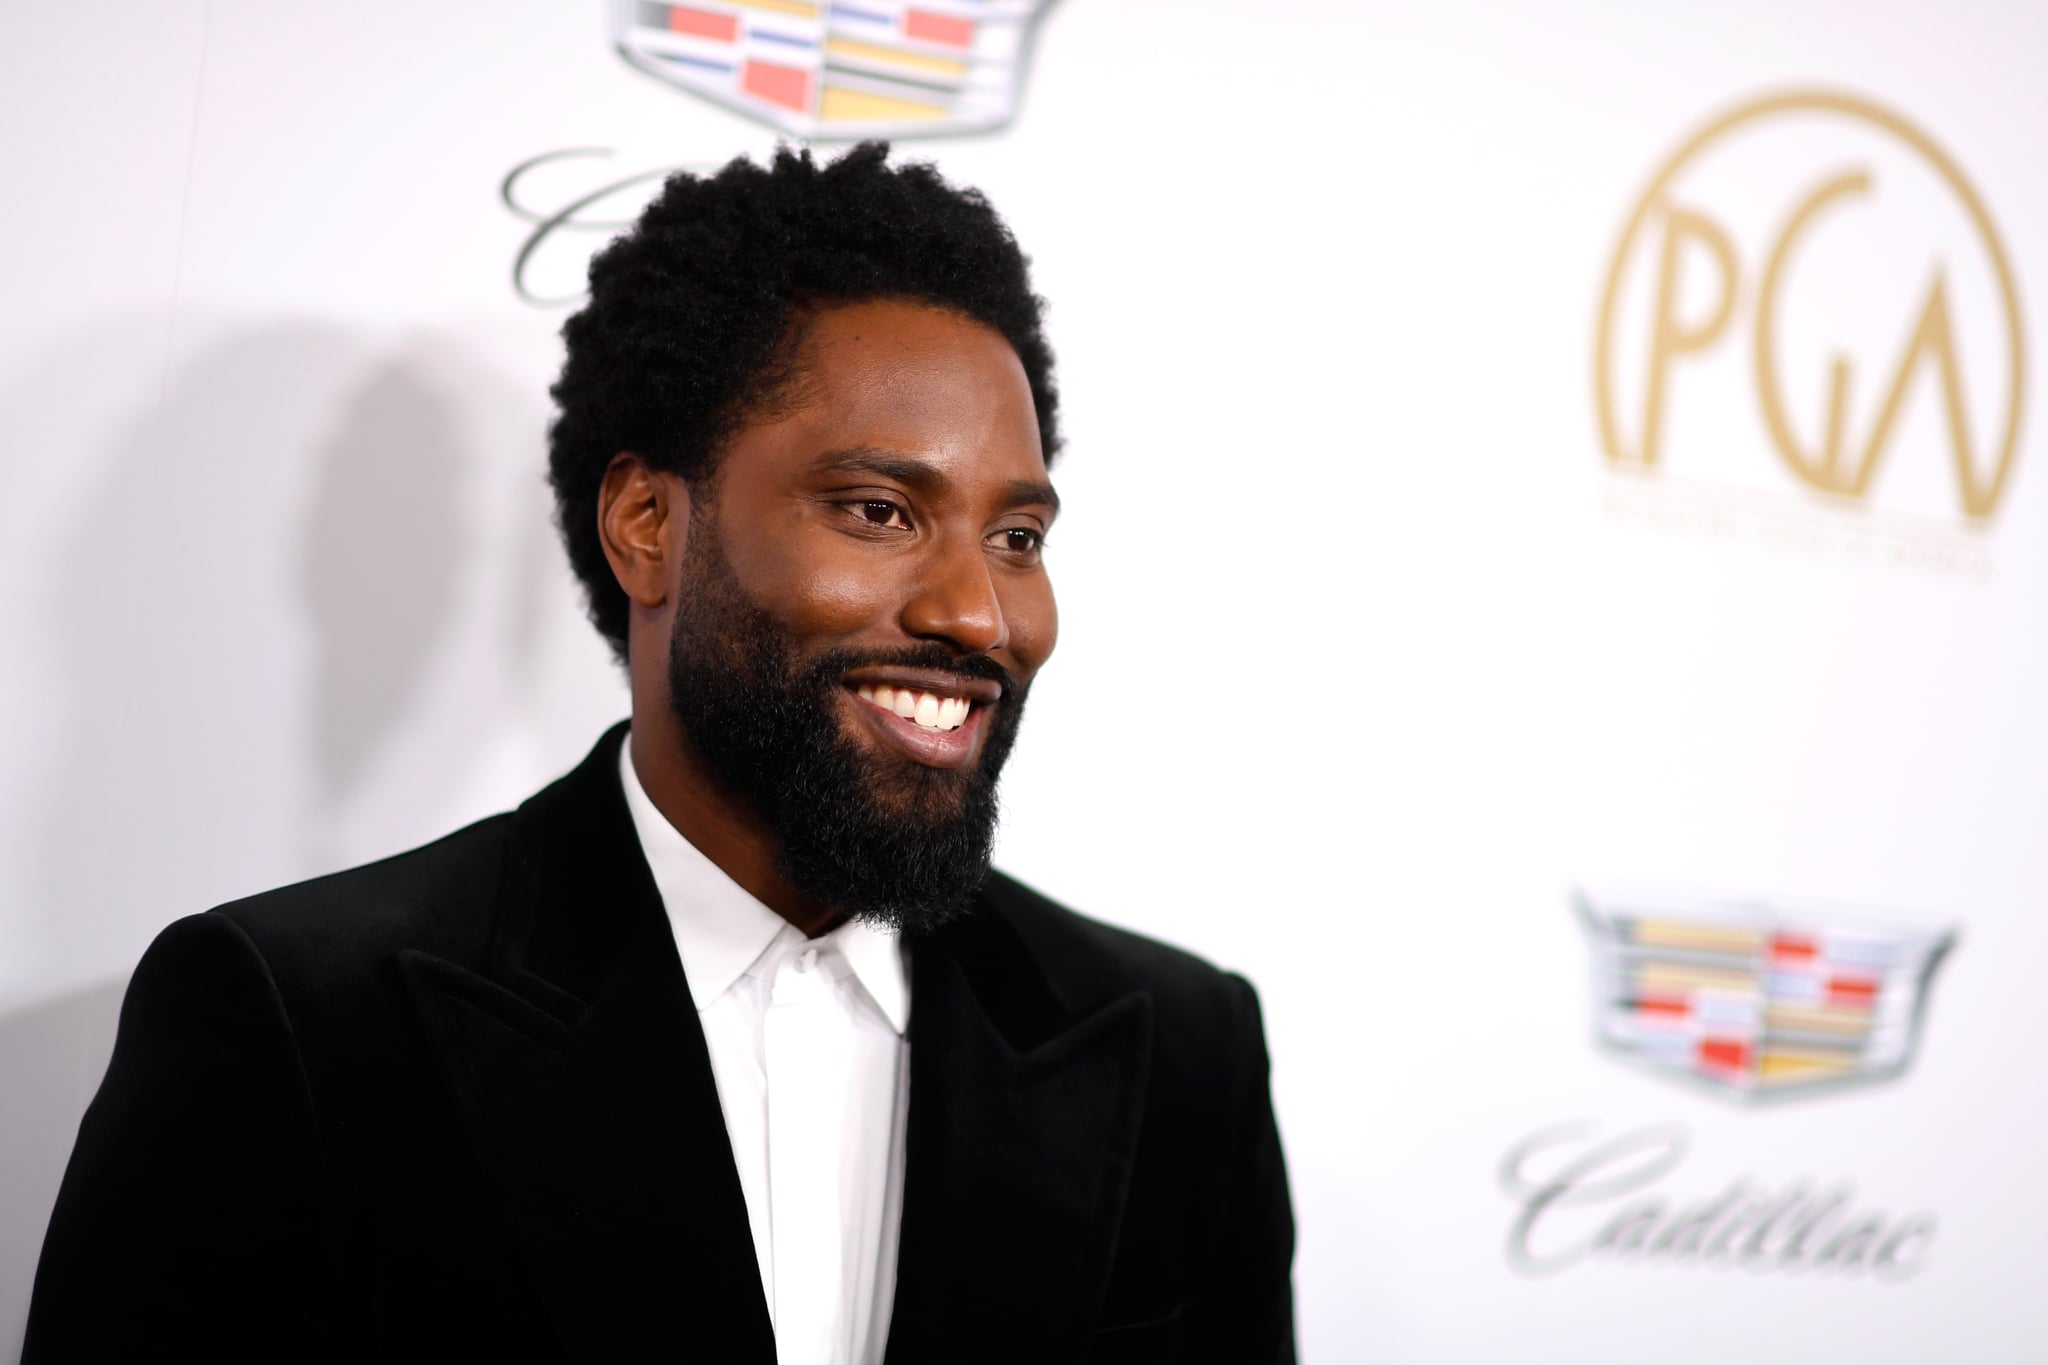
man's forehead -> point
(891, 336)
(923, 382)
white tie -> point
(806, 1046)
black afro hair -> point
(690, 315)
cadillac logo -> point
(870, 68)
(1754, 1003)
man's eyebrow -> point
(919, 474)
(887, 463)
(1025, 492)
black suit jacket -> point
(457, 1104)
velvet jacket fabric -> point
(457, 1104)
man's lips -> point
(929, 716)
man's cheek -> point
(822, 588)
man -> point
(727, 1046)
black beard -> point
(881, 838)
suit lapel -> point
(1023, 1126)
(581, 1075)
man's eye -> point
(877, 512)
(1021, 541)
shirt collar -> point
(877, 961)
(721, 930)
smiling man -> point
(728, 1046)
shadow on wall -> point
(293, 619)
(51, 1057)
(389, 531)
(278, 574)
(425, 567)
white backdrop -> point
(1400, 656)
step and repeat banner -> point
(1553, 580)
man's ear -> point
(643, 519)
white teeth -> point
(926, 709)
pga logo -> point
(1810, 294)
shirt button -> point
(807, 960)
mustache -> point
(830, 666)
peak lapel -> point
(1023, 1126)
(582, 1078)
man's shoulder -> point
(436, 898)
(1092, 962)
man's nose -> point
(956, 602)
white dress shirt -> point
(813, 1069)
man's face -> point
(862, 607)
